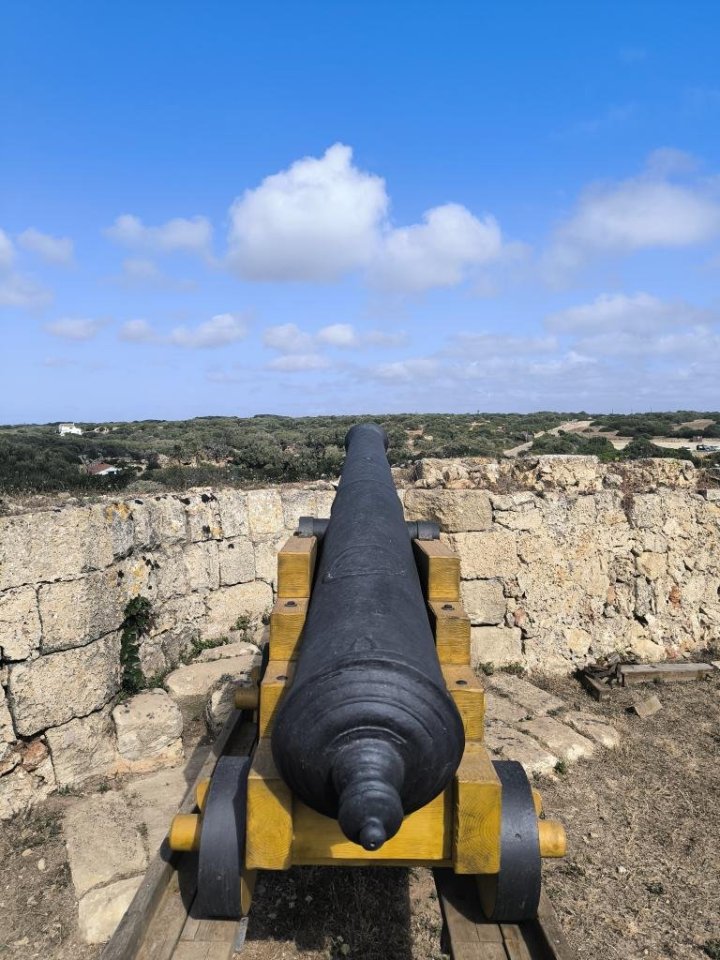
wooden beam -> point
(467, 691)
(665, 672)
(439, 570)
(425, 836)
(478, 808)
(269, 836)
(296, 566)
(278, 677)
(286, 623)
(451, 626)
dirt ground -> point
(640, 880)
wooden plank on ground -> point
(514, 941)
(550, 931)
(601, 691)
(471, 936)
(665, 672)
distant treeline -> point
(228, 450)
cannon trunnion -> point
(370, 720)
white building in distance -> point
(64, 428)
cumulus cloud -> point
(58, 250)
(7, 251)
(314, 221)
(16, 289)
(218, 331)
(406, 371)
(639, 313)
(179, 235)
(437, 252)
(323, 218)
(70, 328)
(287, 338)
(647, 211)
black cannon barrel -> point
(367, 732)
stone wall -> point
(563, 560)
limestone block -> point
(454, 510)
(579, 473)
(100, 911)
(228, 651)
(118, 520)
(508, 744)
(266, 551)
(535, 701)
(149, 732)
(103, 840)
(563, 741)
(486, 555)
(593, 728)
(193, 682)
(578, 641)
(159, 522)
(7, 733)
(22, 789)
(224, 606)
(296, 504)
(237, 562)
(56, 688)
(202, 517)
(232, 509)
(501, 710)
(19, 623)
(52, 545)
(325, 499)
(497, 645)
(265, 513)
(172, 569)
(652, 565)
(75, 612)
(484, 601)
(155, 799)
(220, 703)
(83, 749)
(202, 566)
(178, 612)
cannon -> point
(370, 719)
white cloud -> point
(338, 335)
(639, 313)
(323, 218)
(297, 362)
(437, 252)
(59, 250)
(178, 235)
(7, 251)
(138, 331)
(406, 371)
(488, 345)
(287, 338)
(141, 270)
(75, 329)
(314, 221)
(647, 211)
(218, 331)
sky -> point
(303, 208)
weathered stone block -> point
(192, 682)
(83, 749)
(22, 789)
(498, 645)
(266, 551)
(202, 517)
(158, 522)
(508, 744)
(19, 623)
(559, 738)
(484, 601)
(224, 606)
(100, 911)
(155, 799)
(652, 565)
(296, 504)
(265, 512)
(532, 699)
(501, 710)
(103, 841)
(232, 508)
(149, 730)
(454, 510)
(202, 566)
(75, 612)
(237, 562)
(593, 728)
(56, 688)
(486, 555)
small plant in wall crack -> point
(137, 623)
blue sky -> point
(346, 207)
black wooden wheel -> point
(513, 894)
(222, 841)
